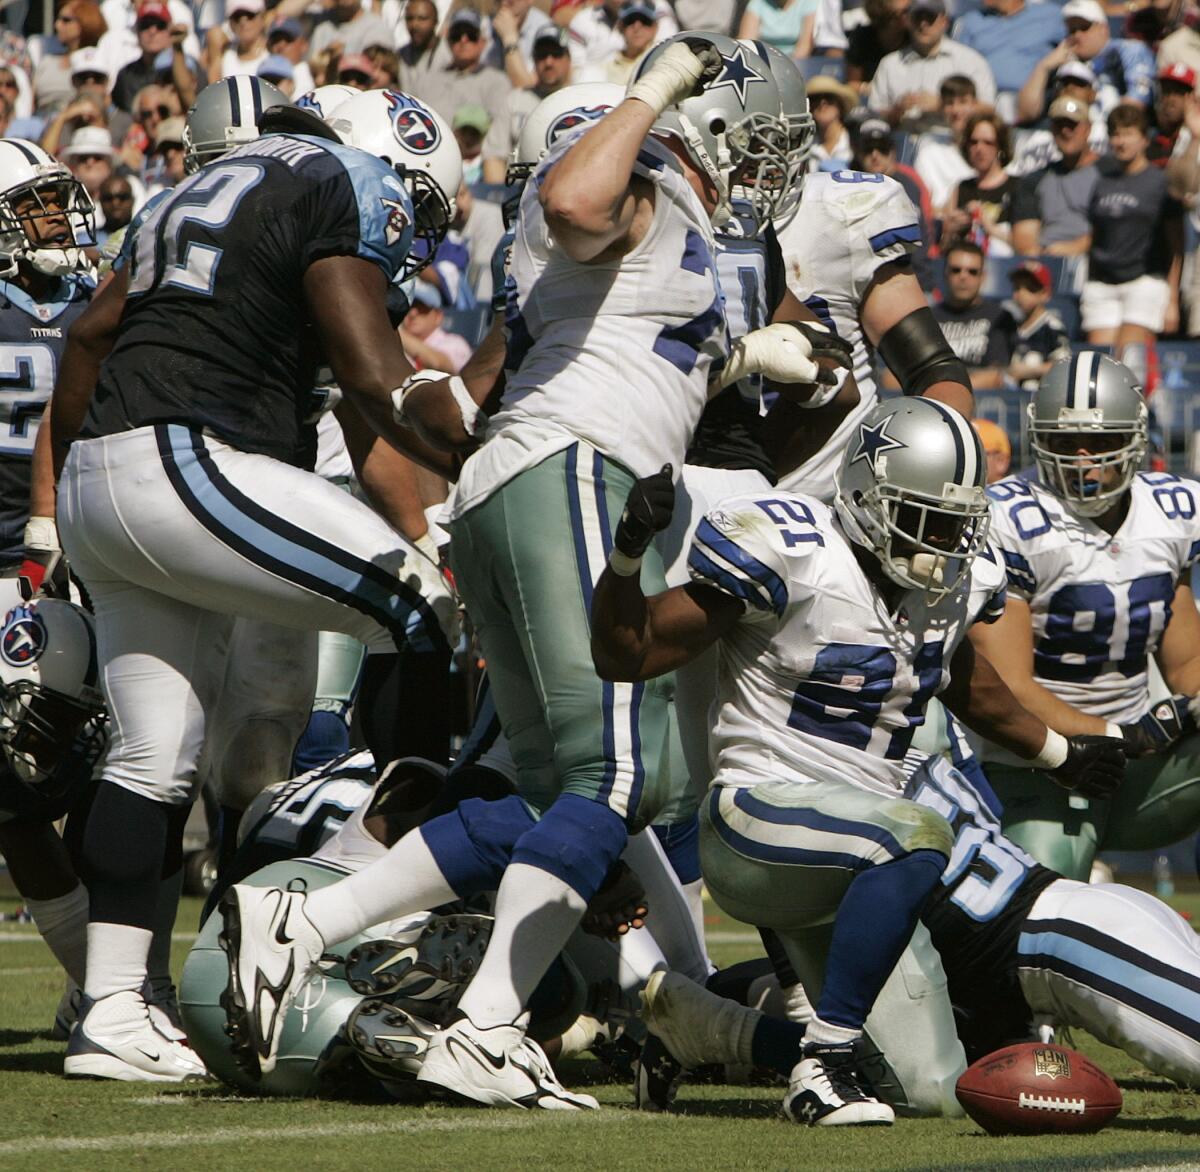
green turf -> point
(48, 1123)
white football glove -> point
(778, 351)
(675, 75)
(1193, 707)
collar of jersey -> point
(70, 291)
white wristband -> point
(1113, 730)
(1054, 751)
(426, 544)
(41, 534)
(672, 79)
(624, 565)
(473, 419)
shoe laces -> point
(842, 1074)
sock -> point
(158, 963)
(116, 959)
(822, 1033)
(63, 925)
(407, 879)
(874, 924)
(124, 846)
(536, 912)
(777, 1045)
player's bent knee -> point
(474, 843)
(577, 841)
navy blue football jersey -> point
(216, 333)
(33, 335)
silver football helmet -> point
(51, 712)
(553, 116)
(224, 116)
(35, 187)
(734, 131)
(1088, 431)
(802, 130)
(911, 491)
(418, 142)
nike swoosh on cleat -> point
(475, 1050)
(404, 954)
(281, 936)
(142, 1050)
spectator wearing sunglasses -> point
(91, 106)
(637, 22)
(464, 80)
(287, 38)
(116, 206)
(154, 103)
(978, 329)
(247, 49)
(350, 28)
(162, 57)
(77, 25)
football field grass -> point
(47, 1123)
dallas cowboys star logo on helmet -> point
(873, 441)
(736, 74)
(414, 126)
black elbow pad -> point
(918, 354)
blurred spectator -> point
(906, 84)
(552, 65)
(116, 206)
(387, 66)
(287, 38)
(6, 114)
(875, 153)
(248, 50)
(1123, 69)
(152, 104)
(978, 329)
(885, 32)
(1037, 149)
(829, 35)
(981, 207)
(1176, 83)
(279, 72)
(1182, 47)
(830, 102)
(357, 70)
(714, 16)
(423, 49)
(1132, 291)
(427, 344)
(1050, 208)
(1040, 338)
(90, 106)
(477, 229)
(89, 155)
(464, 79)
(997, 447)
(470, 125)
(1013, 36)
(162, 57)
(351, 28)
(92, 78)
(938, 159)
(166, 163)
(15, 87)
(595, 36)
(78, 25)
(515, 26)
(638, 25)
(786, 24)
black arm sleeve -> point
(918, 354)
(776, 271)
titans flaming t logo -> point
(415, 127)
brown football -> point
(1033, 1088)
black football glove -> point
(825, 344)
(1165, 723)
(1094, 767)
(648, 510)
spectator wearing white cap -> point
(907, 83)
(552, 70)
(91, 106)
(287, 38)
(247, 48)
(1036, 148)
(1123, 68)
(515, 26)
(637, 22)
(89, 155)
(785, 24)
(1014, 37)
(1051, 208)
(464, 79)
(351, 28)
(1136, 254)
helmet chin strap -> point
(724, 209)
(56, 262)
(926, 568)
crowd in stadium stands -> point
(1052, 150)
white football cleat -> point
(270, 946)
(114, 1038)
(699, 1028)
(827, 1089)
(164, 1011)
(498, 1067)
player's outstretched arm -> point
(638, 638)
(1007, 644)
(1092, 765)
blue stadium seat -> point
(995, 276)
(472, 324)
(811, 67)
(1067, 308)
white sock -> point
(158, 963)
(407, 879)
(824, 1034)
(116, 959)
(536, 912)
(63, 924)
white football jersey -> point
(849, 225)
(1099, 603)
(618, 353)
(817, 681)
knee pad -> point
(577, 841)
(473, 844)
